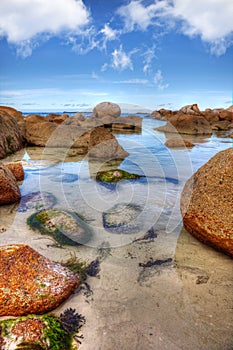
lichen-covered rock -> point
(106, 108)
(115, 175)
(178, 143)
(31, 283)
(122, 218)
(207, 201)
(9, 190)
(66, 228)
(17, 169)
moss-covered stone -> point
(116, 175)
(66, 228)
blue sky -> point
(62, 55)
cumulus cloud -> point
(23, 21)
(209, 19)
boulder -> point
(206, 203)
(178, 143)
(106, 108)
(17, 115)
(187, 124)
(17, 169)
(31, 283)
(38, 130)
(11, 138)
(9, 190)
(219, 119)
(131, 122)
(104, 145)
(56, 118)
(191, 109)
(162, 114)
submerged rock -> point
(178, 143)
(115, 175)
(206, 203)
(31, 283)
(66, 228)
(37, 201)
(122, 218)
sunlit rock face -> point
(31, 283)
(206, 203)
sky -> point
(69, 55)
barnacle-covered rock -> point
(31, 283)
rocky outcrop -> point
(31, 283)
(9, 190)
(106, 109)
(178, 143)
(191, 124)
(206, 203)
(216, 119)
(11, 138)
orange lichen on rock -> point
(31, 283)
(207, 201)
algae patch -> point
(66, 228)
(115, 175)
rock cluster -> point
(31, 283)
(207, 200)
(190, 120)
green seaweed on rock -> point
(115, 175)
(66, 228)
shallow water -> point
(184, 301)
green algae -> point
(66, 228)
(115, 175)
(54, 336)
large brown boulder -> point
(9, 190)
(106, 108)
(162, 114)
(17, 115)
(31, 283)
(219, 119)
(182, 123)
(207, 200)
(11, 138)
(104, 145)
(17, 169)
(38, 130)
(191, 109)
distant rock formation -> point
(189, 120)
(207, 200)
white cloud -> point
(120, 60)
(109, 33)
(148, 55)
(159, 80)
(132, 81)
(26, 22)
(210, 19)
(138, 16)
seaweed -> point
(115, 175)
